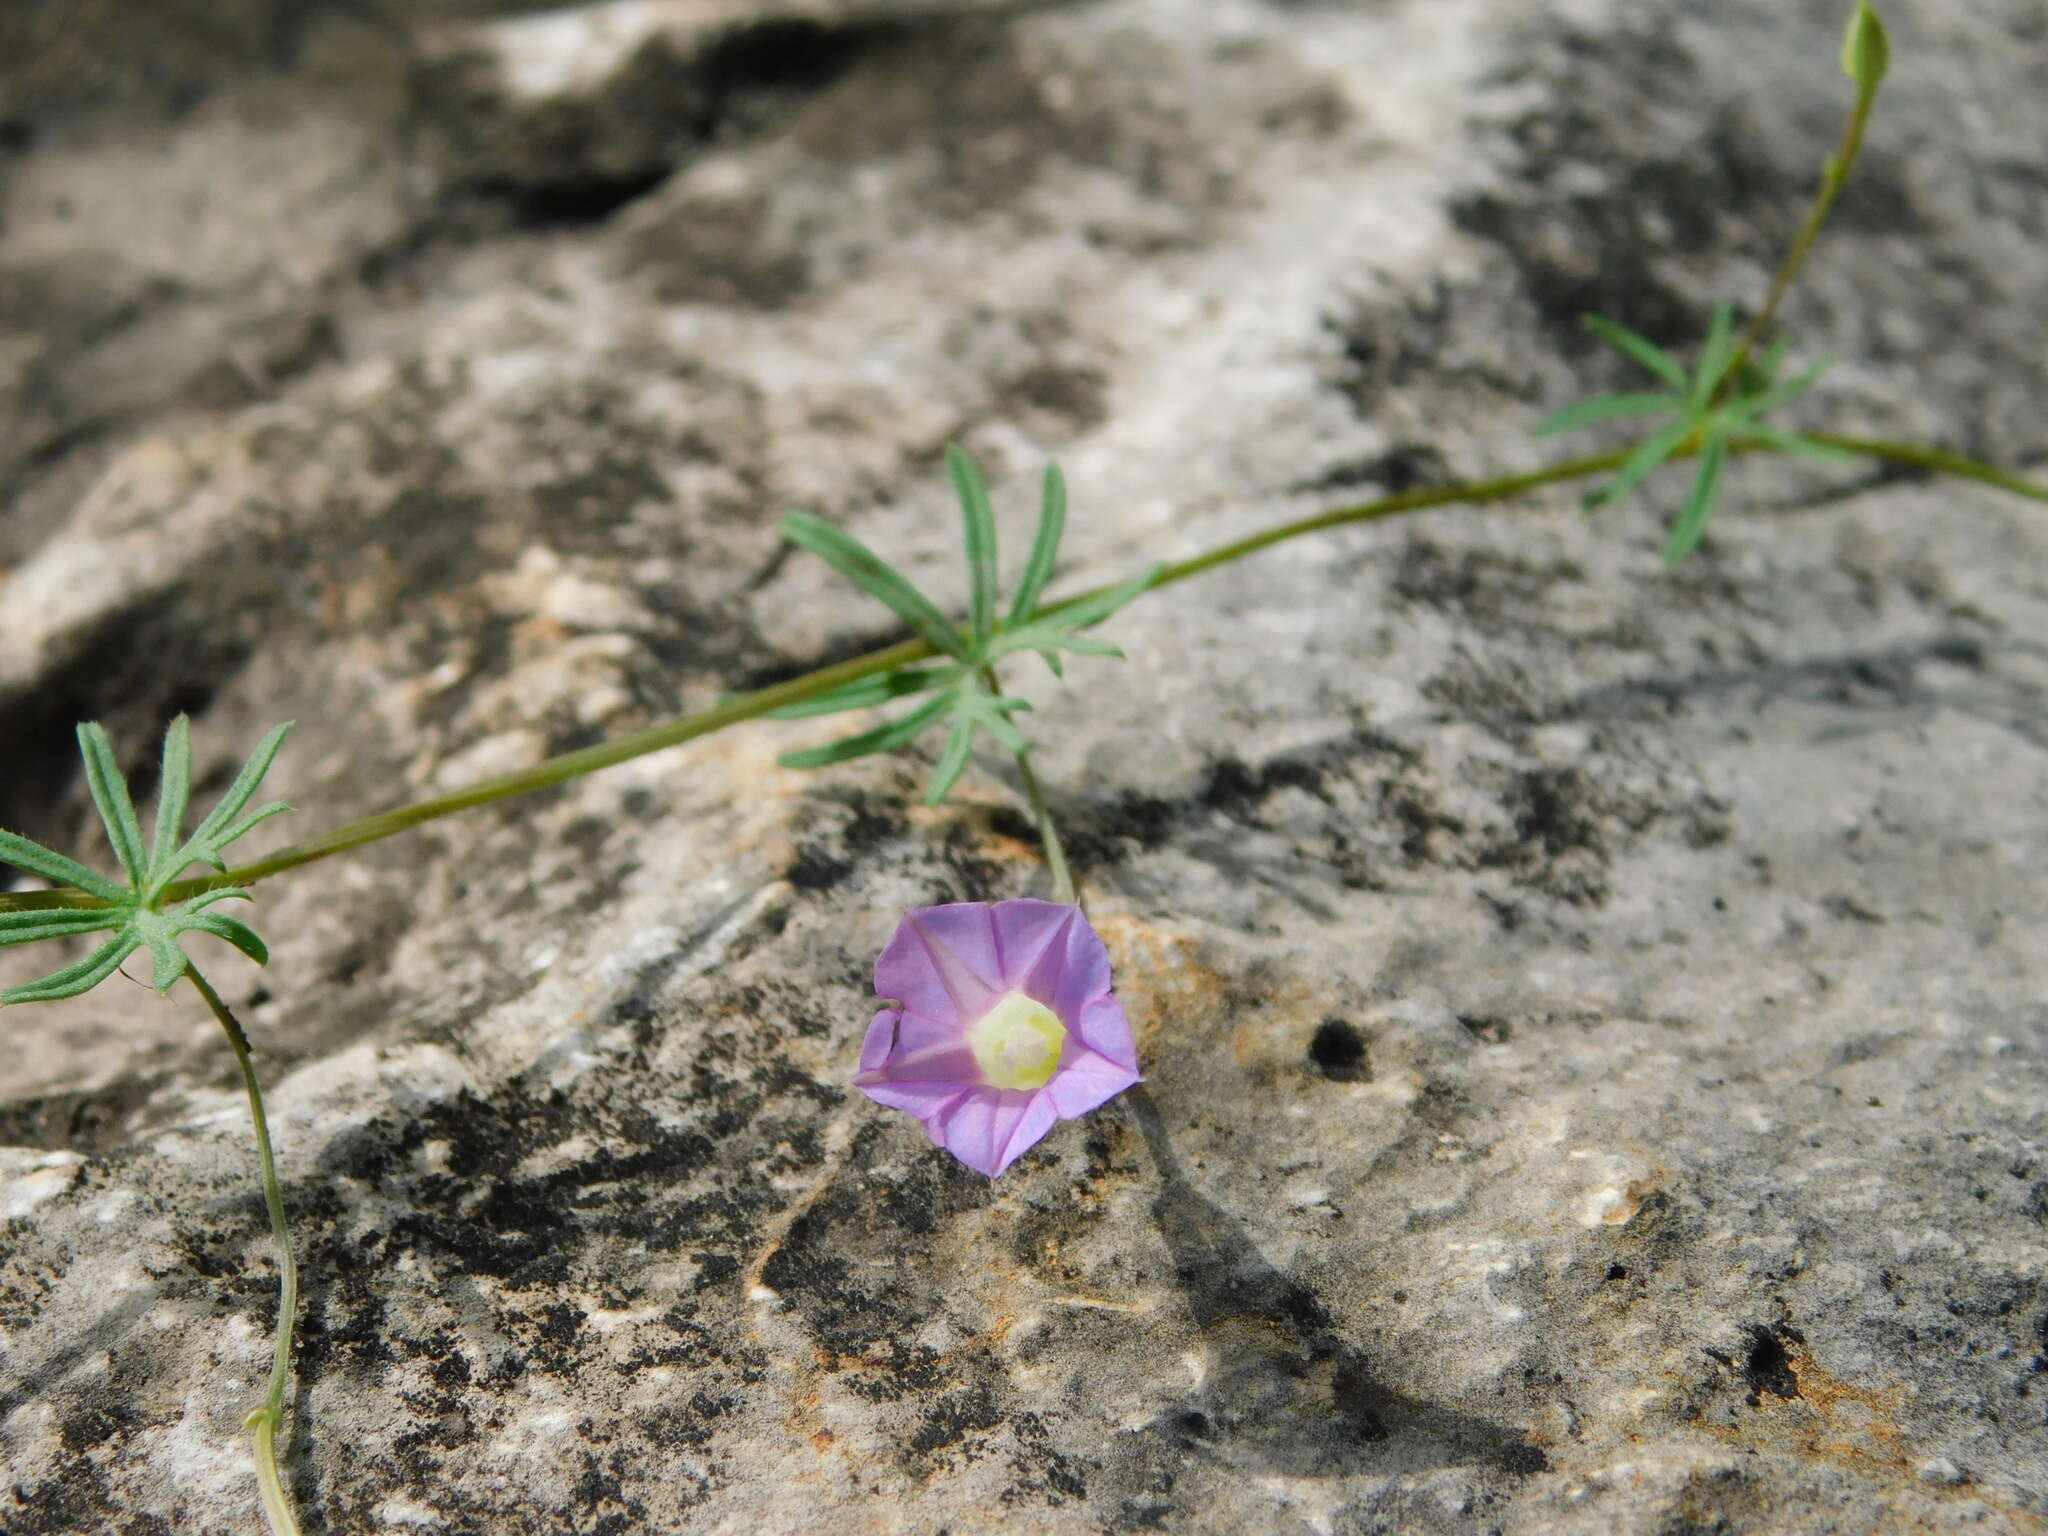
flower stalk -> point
(265, 1421)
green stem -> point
(1506, 488)
(748, 706)
(265, 1421)
(1055, 855)
(1836, 176)
(1063, 889)
(1933, 461)
(558, 770)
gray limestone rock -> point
(1593, 1016)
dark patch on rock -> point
(1768, 1365)
(1721, 1501)
(1337, 1050)
(1486, 1028)
(813, 869)
(1400, 469)
(575, 159)
(88, 1120)
(1490, 589)
(950, 1420)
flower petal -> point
(916, 1053)
(881, 1040)
(1073, 970)
(1086, 1079)
(989, 1129)
(924, 1100)
(1025, 931)
(1104, 1029)
(942, 963)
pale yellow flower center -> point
(1017, 1043)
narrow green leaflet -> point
(1639, 347)
(979, 520)
(55, 867)
(110, 795)
(1715, 355)
(1601, 408)
(220, 827)
(132, 914)
(952, 761)
(883, 738)
(173, 791)
(867, 692)
(1792, 442)
(866, 570)
(1045, 548)
(1058, 628)
(1692, 523)
(1643, 462)
(1087, 611)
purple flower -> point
(1000, 1021)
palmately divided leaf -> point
(966, 687)
(131, 913)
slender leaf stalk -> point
(1055, 854)
(265, 1421)
(1048, 835)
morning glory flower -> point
(999, 1022)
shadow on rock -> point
(1281, 1392)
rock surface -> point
(1594, 1017)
